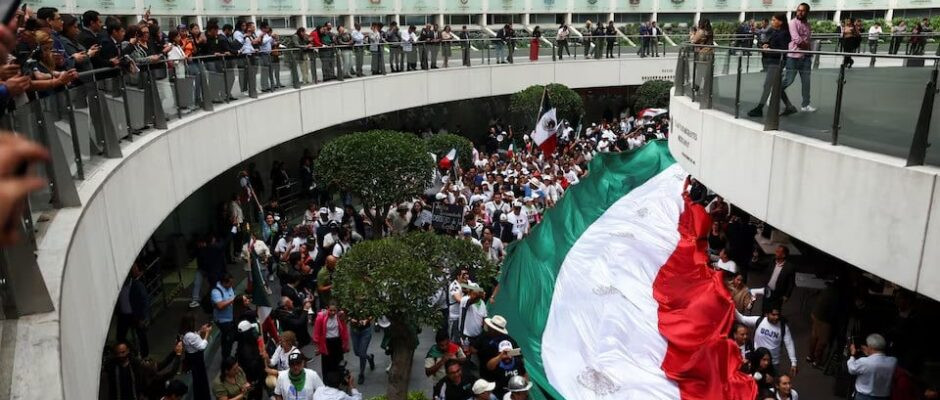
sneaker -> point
(789, 110)
(757, 112)
(809, 108)
(194, 304)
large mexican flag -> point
(610, 296)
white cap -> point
(505, 345)
(503, 217)
(440, 196)
(244, 326)
(482, 385)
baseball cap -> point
(244, 326)
(482, 385)
(505, 345)
(471, 287)
(294, 358)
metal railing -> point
(86, 122)
(704, 73)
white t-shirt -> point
(286, 390)
(729, 266)
(192, 342)
(496, 249)
(767, 335)
(476, 312)
(279, 359)
(454, 305)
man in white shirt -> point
(519, 220)
(454, 295)
(873, 33)
(874, 371)
(497, 204)
(472, 312)
(331, 391)
(771, 332)
(725, 263)
(297, 382)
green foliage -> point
(823, 26)
(652, 94)
(398, 276)
(631, 29)
(725, 27)
(412, 395)
(381, 167)
(525, 104)
(441, 143)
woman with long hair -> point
(78, 55)
(42, 68)
(534, 44)
(194, 346)
(761, 368)
(232, 384)
(447, 38)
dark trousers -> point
(563, 47)
(359, 52)
(334, 357)
(644, 46)
(610, 49)
(872, 46)
(511, 47)
(423, 50)
(127, 322)
(227, 336)
(895, 45)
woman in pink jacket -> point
(331, 336)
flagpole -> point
(538, 115)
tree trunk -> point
(402, 344)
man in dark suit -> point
(294, 319)
(91, 33)
(110, 53)
(424, 39)
(782, 279)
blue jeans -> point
(500, 50)
(803, 66)
(197, 286)
(360, 339)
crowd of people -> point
(503, 191)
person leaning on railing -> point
(77, 55)
(41, 66)
(562, 39)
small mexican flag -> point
(610, 295)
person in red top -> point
(331, 336)
(315, 37)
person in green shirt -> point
(231, 384)
(325, 281)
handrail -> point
(699, 86)
(812, 52)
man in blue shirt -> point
(223, 297)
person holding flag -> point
(546, 129)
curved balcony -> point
(855, 178)
(127, 150)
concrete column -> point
(568, 19)
(440, 20)
(525, 19)
(482, 20)
(610, 17)
(837, 17)
(742, 17)
(889, 15)
(655, 17)
(698, 16)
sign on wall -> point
(916, 3)
(677, 5)
(419, 6)
(463, 6)
(279, 6)
(832, 4)
(37, 4)
(227, 6)
(721, 5)
(503, 6)
(172, 6)
(327, 6)
(113, 6)
(374, 6)
(633, 5)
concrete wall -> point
(867, 209)
(88, 250)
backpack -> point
(206, 303)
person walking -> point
(534, 44)
(360, 333)
(586, 38)
(297, 382)
(801, 37)
(562, 40)
(778, 39)
(331, 336)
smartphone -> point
(9, 7)
(515, 352)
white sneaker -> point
(809, 108)
(194, 304)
